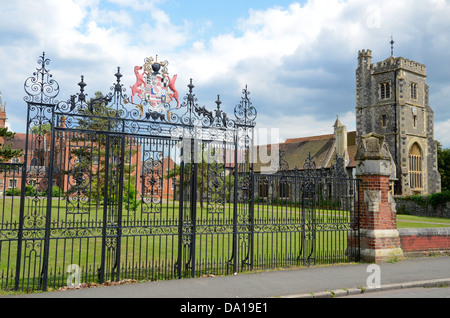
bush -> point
(418, 199)
(30, 191)
(439, 198)
(130, 200)
(13, 192)
(56, 192)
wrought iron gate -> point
(114, 190)
(306, 217)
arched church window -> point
(413, 90)
(283, 189)
(385, 90)
(415, 167)
(263, 189)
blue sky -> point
(298, 58)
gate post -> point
(379, 237)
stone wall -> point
(421, 207)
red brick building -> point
(66, 163)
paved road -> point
(323, 281)
(417, 292)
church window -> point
(415, 167)
(385, 90)
(283, 190)
(384, 121)
(413, 90)
(263, 190)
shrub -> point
(56, 192)
(418, 199)
(30, 191)
(13, 192)
(439, 198)
(130, 200)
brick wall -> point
(379, 239)
(425, 240)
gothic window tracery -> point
(413, 90)
(385, 90)
(415, 167)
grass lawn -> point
(412, 221)
(156, 247)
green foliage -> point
(12, 192)
(30, 191)
(420, 200)
(206, 173)
(6, 151)
(57, 192)
(434, 200)
(99, 117)
(443, 158)
(130, 200)
(41, 129)
(439, 198)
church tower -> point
(392, 99)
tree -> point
(6, 150)
(89, 170)
(212, 183)
(443, 155)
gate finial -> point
(41, 87)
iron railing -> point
(110, 192)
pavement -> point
(312, 282)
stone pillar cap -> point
(372, 147)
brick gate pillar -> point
(379, 238)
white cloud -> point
(298, 61)
(441, 133)
(305, 125)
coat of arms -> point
(154, 86)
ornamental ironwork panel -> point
(306, 216)
(154, 186)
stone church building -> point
(392, 99)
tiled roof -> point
(18, 142)
(296, 151)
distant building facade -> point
(154, 180)
(322, 150)
(392, 99)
